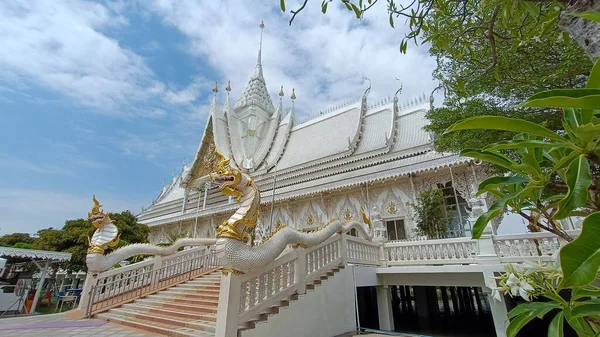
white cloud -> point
(63, 46)
(31, 210)
(325, 57)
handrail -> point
(441, 251)
(540, 246)
(120, 286)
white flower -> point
(496, 295)
(519, 287)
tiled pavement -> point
(105, 330)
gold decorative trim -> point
(226, 272)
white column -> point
(206, 188)
(300, 270)
(384, 308)
(90, 281)
(44, 272)
(498, 307)
(229, 306)
(487, 251)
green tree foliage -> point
(435, 21)
(553, 176)
(430, 214)
(490, 55)
(9, 240)
(73, 237)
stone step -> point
(186, 300)
(171, 313)
(199, 286)
(177, 306)
(154, 327)
(212, 297)
(192, 324)
(193, 290)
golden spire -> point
(262, 24)
(281, 91)
(293, 94)
(228, 88)
(216, 88)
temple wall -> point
(390, 199)
(329, 308)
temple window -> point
(395, 229)
(457, 211)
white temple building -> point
(359, 155)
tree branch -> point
(490, 36)
(294, 13)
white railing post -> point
(343, 249)
(156, 265)
(487, 252)
(300, 272)
(228, 309)
(90, 281)
(382, 257)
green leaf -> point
(391, 21)
(579, 180)
(535, 307)
(501, 182)
(496, 209)
(578, 324)
(517, 323)
(588, 15)
(580, 258)
(505, 124)
(594, 79)
(282, 5)
(356, 10)
(589, 132)
(584, 292)
(555, 329)
(491, 157)
(324, 7)
(515, 144)
(583, 98)
(586, 308)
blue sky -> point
(111, 97)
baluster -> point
(244, 297)
(252, 293)
(292, 270)
(270, 284)
(277, 279)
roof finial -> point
(262, 27)
(399, 91)
(281, 92)
(293, 97)
(228, 88)
(216, 88)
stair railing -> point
(122, 285)
(244, 296)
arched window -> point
(457, 211)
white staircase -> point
(171, 298)
(187, 309)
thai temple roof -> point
(347, 145)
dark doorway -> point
(367, 307)
(442, 311)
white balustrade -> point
(361, 251)
(542, 246)
(442, 251)
(135, 280)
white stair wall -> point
(326, 311)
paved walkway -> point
(61, 325)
